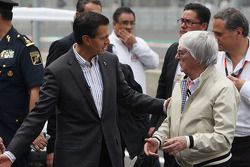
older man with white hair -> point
(199, 128)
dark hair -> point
(203, 13)
(87, 23)
(6, 14)
(120, 11)
(233, 19)
(81, 4)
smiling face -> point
(189, 21)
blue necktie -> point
(185, 92)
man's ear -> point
(239, 31)
(114, 23)
(86, 40)
(204, 26)
(77, 14)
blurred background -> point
(155, 22)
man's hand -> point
(50, 159)
(2, 147)
(166, 103)
(174, 145)
(5, 161)
(127, 38)
(151, 146)
(237, 82)
(40, 142)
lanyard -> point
(233, 74)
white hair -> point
(202, 45)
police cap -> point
(7, 4)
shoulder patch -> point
(36, 58)
(25, 40)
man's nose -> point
(177, 57)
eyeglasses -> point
(187, 22)
(126, 23)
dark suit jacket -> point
(133, 126)
(165, 83)
(56, 50)
(59, 48)
(80, 131)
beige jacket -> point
(209, 118)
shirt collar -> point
(84, 62)
(193, 84)
(247, 56)
(9, 35)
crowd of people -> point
(92, 92)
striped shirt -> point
(92, 74)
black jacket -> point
(165, 83)
(133, 126)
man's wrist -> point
(187, 141)
(190, 141)
(11, 156)
(158, 141)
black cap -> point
(7, 4)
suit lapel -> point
(103, 64)
(78, 76)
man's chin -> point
(182, 32)
(103, 51)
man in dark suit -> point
(133, 126)
(85, 84)
(195, 17)
(57, 49)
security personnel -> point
(21, 74)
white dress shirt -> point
(93, 77)
(139, 58)
(243, 114)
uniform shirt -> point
(139, 58)
(243, 114)
(20, 69)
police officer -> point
(21, 73)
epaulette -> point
(25, 40)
